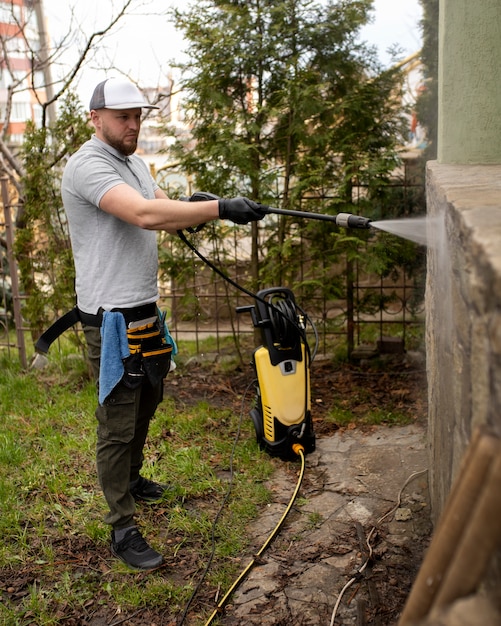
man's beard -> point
(126, 148)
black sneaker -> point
(147, 490)
(135, 551)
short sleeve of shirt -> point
(96, 168)
(95, 179)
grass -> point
(55, 563)
(376, 417)
(52, 507)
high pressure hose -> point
(285, 314)
(299, 450)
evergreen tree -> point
(287, 106)
(43, 247)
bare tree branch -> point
(41, 59)
(99, 34)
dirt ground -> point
(298, 584)
(395, 386)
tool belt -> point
(150, 354)
(150, 344)
(74, 316)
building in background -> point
(22, 67)
(152, 140)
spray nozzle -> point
(348, 220)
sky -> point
(142, 46)
(396, 22)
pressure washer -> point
(282, 412)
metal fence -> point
(211, 305)
(206, 306)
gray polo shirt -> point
(116, 263)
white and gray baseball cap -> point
(118, 93)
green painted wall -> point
(469, 110)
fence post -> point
(16, 297)
(350, 307)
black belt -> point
(137, 313)
(74, 316)
(131, 315)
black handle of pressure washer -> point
(252, 310)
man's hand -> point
(240, 210)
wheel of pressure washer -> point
(257, 420)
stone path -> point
(351, 481)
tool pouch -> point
(150, 355)
(133, 371)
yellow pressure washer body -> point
(282, 411)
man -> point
(113, 208)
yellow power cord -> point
(299, 450)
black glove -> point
(240, 210)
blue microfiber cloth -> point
(168, 337)
(170, 340)
(114, 348)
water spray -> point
(420, 230)
(423, 230)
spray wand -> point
(347, 220)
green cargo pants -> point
(122, 426)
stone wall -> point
(463, 316)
